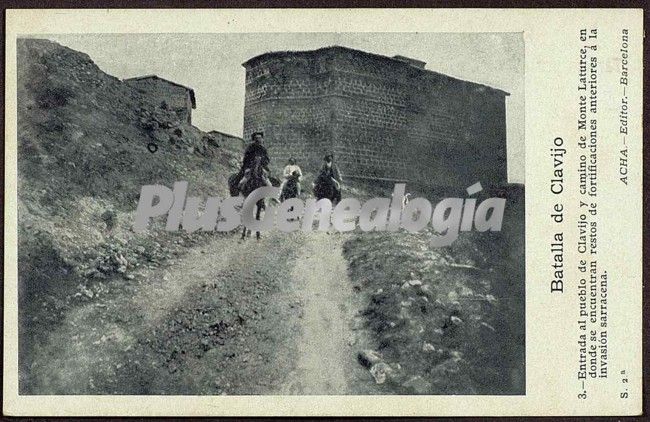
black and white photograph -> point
(274, 214)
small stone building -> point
(384, 118)
(178, 98)
(224, 138)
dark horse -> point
(247, 183)
(290, 189)
(235, 178)
(326, 187)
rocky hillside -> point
(444, 320)
(87, 142)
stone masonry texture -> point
(177, 97)
(383, 118)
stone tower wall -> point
(381, 117)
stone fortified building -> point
(177, 97)
(384, 118)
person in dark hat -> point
(332, 170)
(255, 149)
(329, 169)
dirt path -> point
(230, 317)
(320, 275)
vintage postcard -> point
(427, 212)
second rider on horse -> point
(292, 176)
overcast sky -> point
(211, 65)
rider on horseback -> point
(254, 152)
(255, 149)
(249, 172)
(329, 171)
(292, 172)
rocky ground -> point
(104, 310)
(443, 320)
(228, 318)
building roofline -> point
(224, 134)
(250, 62)
(138, 78)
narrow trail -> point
(320, 275)
(276, 316)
